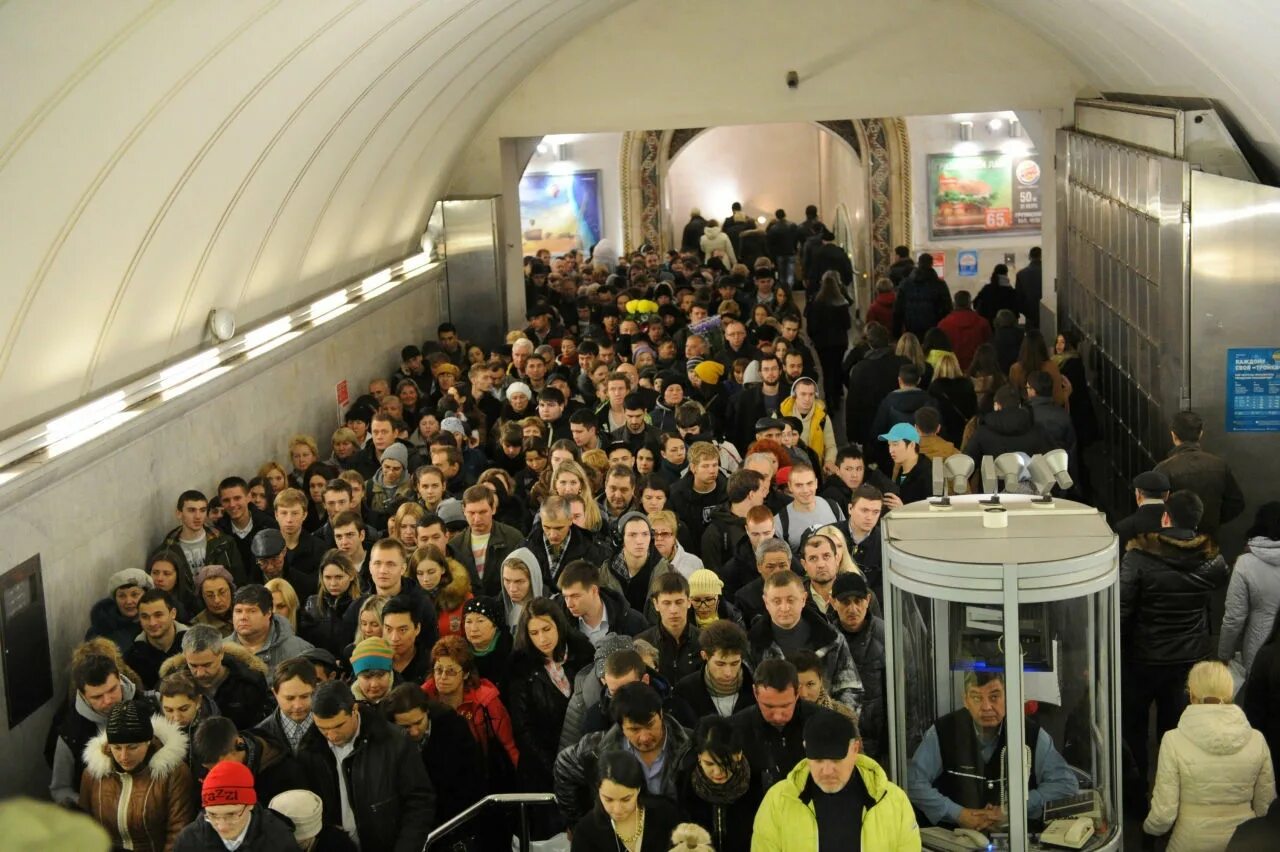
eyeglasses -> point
(442, 671)
(225, 819)
(701, 602)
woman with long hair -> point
(957, 399)
(985, 372)
(1214, 770)
(368, 624)
(407, 518)
(827, 321)
(136, 783)
(339, 588)
(549, 652)
(274, 475)
(1034, 355)
(569, 479)
(713, 793)
(162, 567)
(909, 347)
(315, 478)
(625, 817)
(451, 589)
(261, 494)
(1066, 354)
(284, 601)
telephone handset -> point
(1069, 833)
(957, 840)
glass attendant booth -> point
(992, 609)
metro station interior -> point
(227, 219)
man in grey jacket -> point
(641, 729)
(794, 624)
(258, 629)
(99, 687)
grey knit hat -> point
(128, 577)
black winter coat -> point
(867, 648)
(1146, 519)
(871, 380)
(327, 627)
(454, 762)
(1166, 579)
(923, 300)
(692, 689)
(993, 298)
(957, 402)
(243, 697)
(675, 660)
(537, 708)
(1009, 430)
(268, 832)
(594, 832)
(1189, 467)
(394, 803)
(828, 325)
(578, 545)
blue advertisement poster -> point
(967, 263)
(560, 212)
(1253, 390)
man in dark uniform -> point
(1149, 491)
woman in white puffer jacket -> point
(1214, 772)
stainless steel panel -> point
(1124, 288)
(1235, 227)
(476, 295)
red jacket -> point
(881, 310)
(967, 330)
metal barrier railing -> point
(523, 800)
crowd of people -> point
(623, 556)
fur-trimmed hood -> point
(231, 649)
(168, 752)
(454, 593)
(1175, 546)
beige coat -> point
(143, 810)
(1215, 772)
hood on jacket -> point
(454, 593)
(127, 693)
(281, 631)
(168, 751)
(1176, 547)
(230, 649)
(711, 231)
(1265, 550)
(1216, 728)
(525, 555)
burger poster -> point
(987, 194)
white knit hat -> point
(304, 809)
(128, 577)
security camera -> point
(793, 80)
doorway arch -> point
(880, 144)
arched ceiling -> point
(162, 157)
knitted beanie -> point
(373, 653)
(228, 783)
(486, 606)
(128, 577)
(130, 722)
(709, 371)
(304, 809)
(396, 452)
(705, 582)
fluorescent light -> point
(327, 305)
(264, 333)
(417, 262)
(543, 147)
(173, 376)
(193, 382)
(966, 149)
(80, 419)
(89, 432)
(375, 280)
(272, 343)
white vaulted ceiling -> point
(158, 159)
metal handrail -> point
(521, 799)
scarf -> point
(493, 643)
(728, 792)
(715, 690)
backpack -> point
(785, 517)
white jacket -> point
(1214, 773)
(714, 239)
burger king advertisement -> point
(987, 194)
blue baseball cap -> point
(902, 432)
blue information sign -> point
(967, 264)
(1253, 390)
